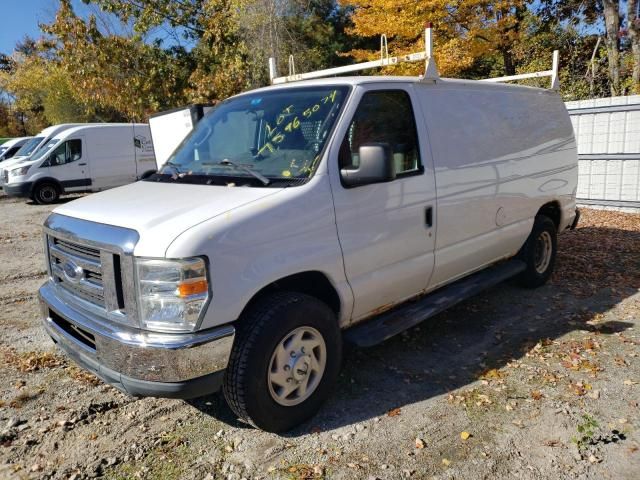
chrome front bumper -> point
(137, 362)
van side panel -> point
(500, 153)
(112, 156)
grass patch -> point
(586, 432)
(170, 460)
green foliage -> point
(586, 432)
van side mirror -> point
(376, 166)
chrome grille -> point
(78, 269)
(101, 257)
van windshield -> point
(277, 135)
(29, 147)
(46, 148)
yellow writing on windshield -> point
(275, 137)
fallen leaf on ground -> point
(393, 412)
(420, 443)
(464, 435)
(537, 395)
(492, 374)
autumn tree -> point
(114, 73)
(465, 31)
(633, 32)
(620, 38)
(234, 38)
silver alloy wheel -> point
(543, 252)
(297, 366)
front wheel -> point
(285, 360)
(46, 193)
(539, 253)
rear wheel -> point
(285, 360)
(46, 193)
(539, 253)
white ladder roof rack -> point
(553, 73)
(431, 70)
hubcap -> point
(296, 366)
(47, 194)
(544, 249)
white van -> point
(31, 146)
(298, 216)
(169, 128)
(85, 158)
(9, 148)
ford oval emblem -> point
(72, 272)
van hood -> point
(23, 161)
(10, 162)
(159, 212)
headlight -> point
(172, 294)
(18, 172)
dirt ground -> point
(514, 383)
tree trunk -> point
(509, 67)
(634, 36)
(517, 14)
(612, 24)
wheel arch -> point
(313, 283)
(42, 180)
(553, 211)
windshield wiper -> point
(226, 162)
(174, 166)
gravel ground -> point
(513, 383)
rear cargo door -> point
(143, 150)
(386, 230)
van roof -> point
(53, 129)
(93, 126)
(12, 141)
(362, 80)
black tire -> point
(540, 263)
(46, 193)
(246, 384)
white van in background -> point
(9, 148)
(29, 148)
(169, 129)
(86, 158)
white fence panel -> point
(608, 137)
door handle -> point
(82, 164)
(428, 216)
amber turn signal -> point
(192, 288)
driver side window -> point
(384, 116)
(68, 152)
